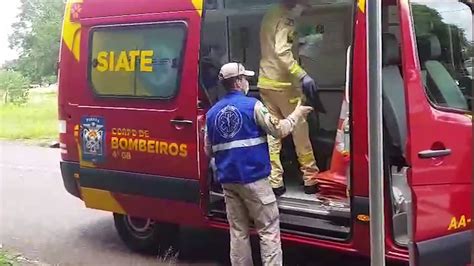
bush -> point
(48, 80)
(14, 87)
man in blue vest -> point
(236, 130)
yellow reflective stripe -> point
(361, 5)
(307, 158)
(296, 70)
(101, 200)
(294, 100)
(198, 5)
(274, 157)
(266, 82)
(72, 31)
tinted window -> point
(445, 47)
(137, 61)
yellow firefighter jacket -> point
(278, 67)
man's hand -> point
(301, 111)
(310, 89)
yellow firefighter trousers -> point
(282, 103)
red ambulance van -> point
(137, 77)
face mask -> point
(297, 10)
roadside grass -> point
(36, 120)
(7, 259)
(170, 257)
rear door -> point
(138, 125)
(436, 39)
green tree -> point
(14, 87)
(10, 65)
(36, 35)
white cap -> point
(231, 70)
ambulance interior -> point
(231, 33)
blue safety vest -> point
(239, 144)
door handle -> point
(434, 153)
(181, 122)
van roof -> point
(107, 8)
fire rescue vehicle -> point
(137, 77)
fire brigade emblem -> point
(229, 121)
(76, 10)
(93, 137)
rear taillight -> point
(62, 127)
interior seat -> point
(393, 98)
(440, 84)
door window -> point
(443, 31)
(137, 60)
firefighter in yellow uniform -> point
(281, 81)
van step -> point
(318, 208)
(313, 225)
(312, 208)
(302, 224)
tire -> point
(147, 236)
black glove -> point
(310, 90)
(309, 87)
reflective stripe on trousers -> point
(280, 104)
(239, 144)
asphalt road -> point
(39, 219)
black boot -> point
(311, 189)
(279, 191)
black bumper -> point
(450, 250)
(68, 169)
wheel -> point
(147, 236)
